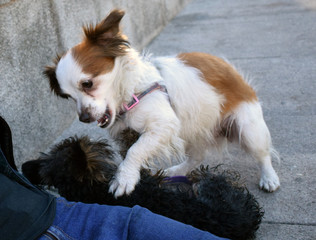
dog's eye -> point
(87, 84)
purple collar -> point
(177, 179)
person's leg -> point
(146, 225)
(75, 221)
(99, 222)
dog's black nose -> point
(85, 117)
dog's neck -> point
(134, 74)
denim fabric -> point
(76, 221)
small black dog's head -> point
(81, 169)
(74, 159)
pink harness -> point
(136, 99)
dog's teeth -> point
(104, 120)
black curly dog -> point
(208, 199)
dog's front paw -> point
(269, 181)
(124, 181)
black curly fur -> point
(215, 202)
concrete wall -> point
(31, 33)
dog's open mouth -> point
(105, 120)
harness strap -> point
(136, 99)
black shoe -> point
(6, 142)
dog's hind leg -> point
(254, 136)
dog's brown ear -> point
(50, 73)
(107, 35)
(107, 28)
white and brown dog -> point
(182, 106)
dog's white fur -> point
(183, 123)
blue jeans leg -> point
(79, 221)
(146, 225)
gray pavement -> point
(274, 43)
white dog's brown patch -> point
(223, 77)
